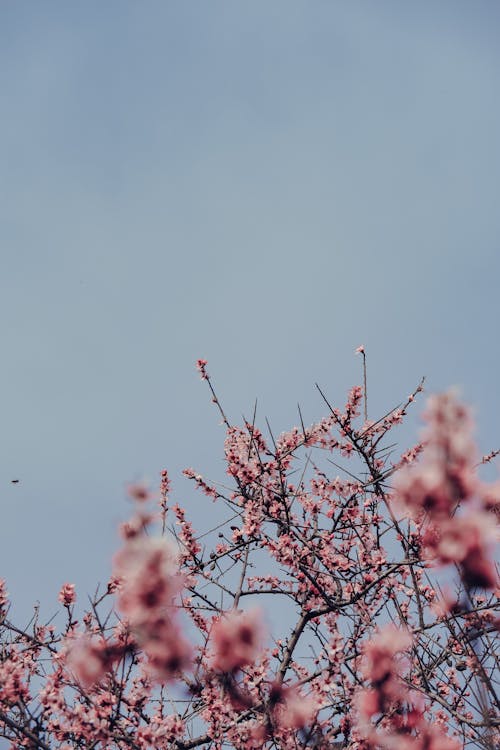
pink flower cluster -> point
(434, 490)
(402, 724)
(237, 639)
(467, 540)
(295, 710)
(4, 596)
(67, 595)
(90, 658)
(446, 476)
(381, 669)
(334, 563)
(139, 492)
(201, 366)
(150, 582)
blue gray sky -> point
(266, 185)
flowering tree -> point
(361, 647)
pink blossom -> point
(466, 540)
(113, 584)
(340, 562)
(201, 365)
(446, 475)
(14, 674)
(352, 406)
(149, 583)
(368, 704)
(4, 594)
(425, 489)
(383, 670)
(164, 490)
(67, 594)
(491, 499)
(91, 658)
(167, 649)
(160, 731)
(381, 650)
(294, 710)
(139, 492)
(186, 535)
(237, 639)
(149, 576)
(428, 737)
(433, 738)
(360, 349)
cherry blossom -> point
(237, 639)
(67, 594)
(372, 567)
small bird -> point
(14, 481)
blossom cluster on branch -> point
(316, 613)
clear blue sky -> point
(263, 184)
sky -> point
(266, 185)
